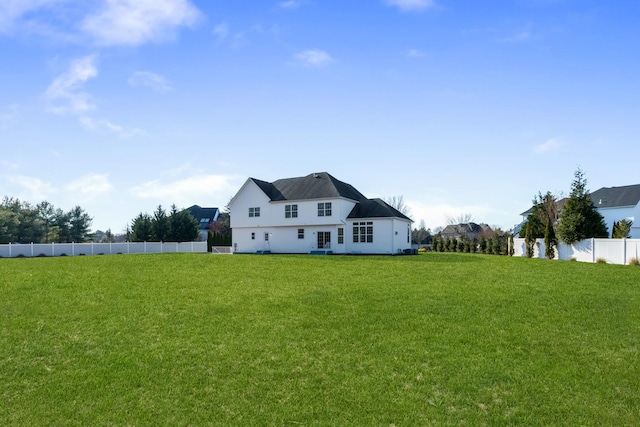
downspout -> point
(393, 238)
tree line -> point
(496, 243)
(174, 226)
(23, 222)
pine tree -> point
(549, 242)
(579, 219)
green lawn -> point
(435, 339)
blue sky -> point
(457, 106)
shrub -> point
(601, 261)
(573, 259)
(422, 249)
(634, 261)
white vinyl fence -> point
(70, 249)
(613, 251)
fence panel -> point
(613, 251)
(68, 249)
(632, 250)
(610, 250)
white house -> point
(314, 214)
(617, 203)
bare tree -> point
(398, 203)
(463, 218)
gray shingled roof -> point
(322, 185)
(606, 197)
(319, 185)
(610, 197)
(375, 208)
(199, 213)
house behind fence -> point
(613, 251)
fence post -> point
(593, 250)
(624, 251)
(31, 249)
(73, 248)
(53, 249)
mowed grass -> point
(435, 339)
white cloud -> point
(415, 53)
(290, 4)
(121, 131)
(411, 5)
(314, 58)
(150, 80)
(12, 10)
(224, 34)
(523, 35)
(65, 92)
(91, 186)
(221, 31)
(135, 22)
(32, 188)
(188, 190)
(8, 116)
(549, 145)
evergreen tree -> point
(160, 224)
(512, 249)
(549, 241)
(579, 219)
(529, 240)
(142, 228)
(79, 225)
(184, 227)
(621, 229)
(483, 245)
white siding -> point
(616, 214)
(389, 237)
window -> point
(408, 234)
(363, 232)
(253, 236)
(204, 219)
(254, 212)
(324, 209)
(266, 237)
(300, 233)
(291, 211)
(340, 236)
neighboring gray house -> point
(470, 230)
(316, 213)
(205, 217)
(617, 203)
(613, 203)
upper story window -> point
(291, 211)
(254, 212)
(324, 209)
